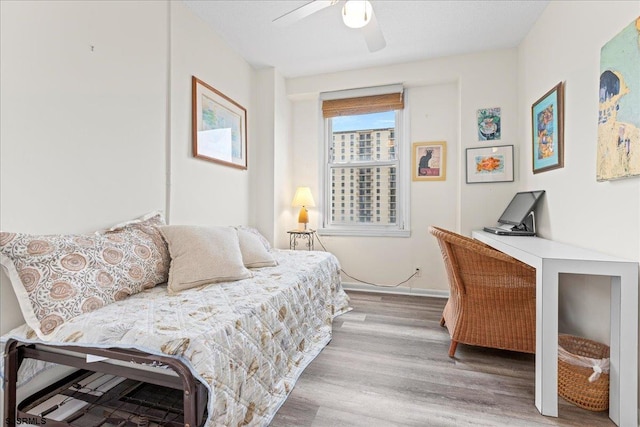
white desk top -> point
(543, 248)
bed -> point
(242, 343)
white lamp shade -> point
(303, 197)
(356, 13)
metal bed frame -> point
(194, 392)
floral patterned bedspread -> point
(247, 341)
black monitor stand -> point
(528, 224)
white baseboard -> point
(400, 290)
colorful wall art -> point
(489, 124)
(618, 153)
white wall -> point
(83, 113)
(283, 188)
(84, 117)
(96, 121)
(271, 151)
(89, 115)
(443, 98)
(603, 216)
(203, 192)
(261, 155)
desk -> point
(550, 259)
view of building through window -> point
(363, 167)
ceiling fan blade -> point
(373, 35)
(303, 11)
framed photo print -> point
(429, 161)
(219, 126)
(490, 164)
(547, 126)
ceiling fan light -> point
(356, 13)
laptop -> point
(518, 218)
(509, 231)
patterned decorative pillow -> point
(59, 277)
(155, 219)
(254, 253)
(203, 255)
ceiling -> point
(321, 43)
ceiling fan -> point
(355, 14)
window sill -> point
(368, 232)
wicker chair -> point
(492, 300)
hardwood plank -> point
(387, 365)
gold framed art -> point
(429, 161)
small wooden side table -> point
(307, 237)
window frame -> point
(402, 226)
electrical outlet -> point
(418, 272)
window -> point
(373, 123)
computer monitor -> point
(520, 207)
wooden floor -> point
(387, 365)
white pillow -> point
(203, 255)
(254, 253)
(255, 231)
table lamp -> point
(303, 199)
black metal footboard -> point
(194, 392)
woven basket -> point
(573, 381)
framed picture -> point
(490, 164)
(547, 127)
(489, 124)
(219, 126)
(618, 149)
(429, 161)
